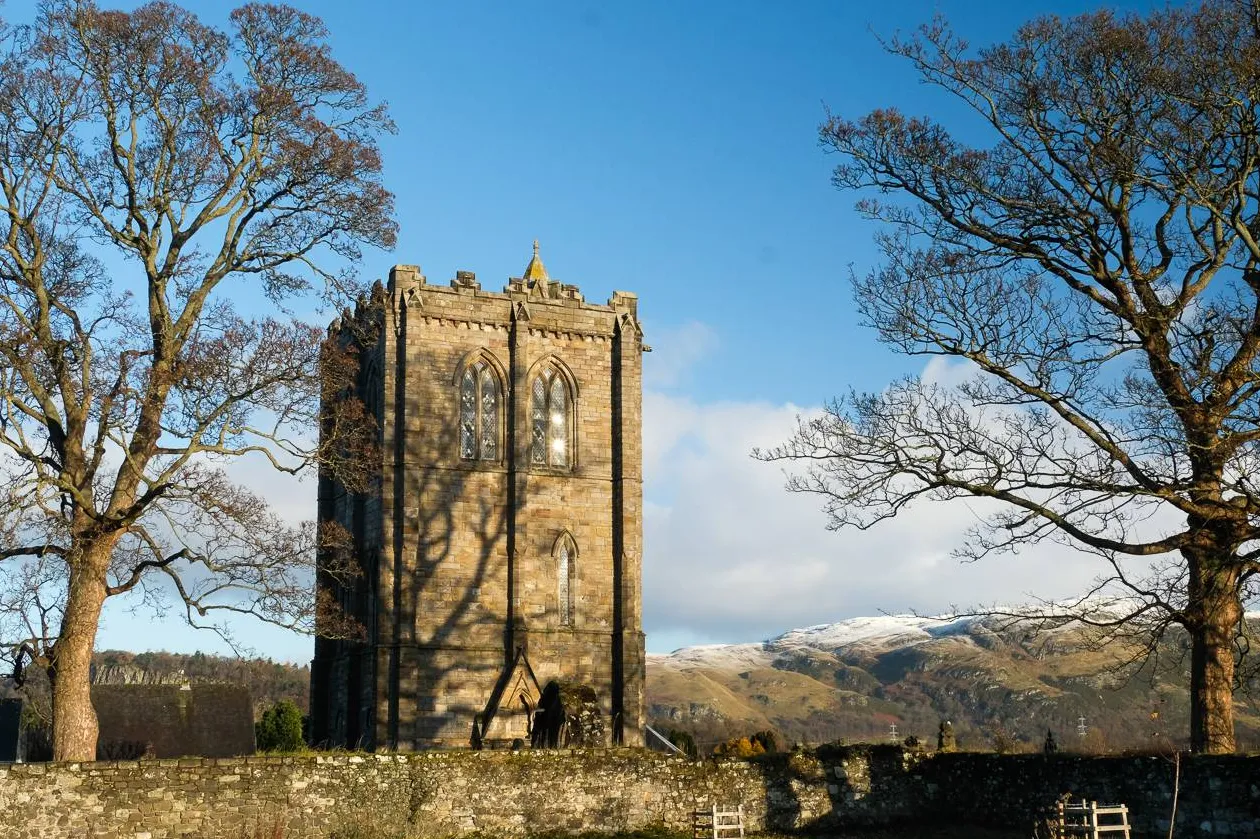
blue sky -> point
(670, 149)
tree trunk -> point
(1218, 611)
(74, 719)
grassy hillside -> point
(997, 686)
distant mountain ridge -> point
(999, 681)
(852, 680)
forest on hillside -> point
(268, 681)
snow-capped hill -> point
(717, 655)
(865, 678)
(872, 635)
(867, 632)
(904, 629)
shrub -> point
(739, 747)
(1094, 743)
(123, 749)
(280, 729)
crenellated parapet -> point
(407, 287)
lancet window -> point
(566, 558)
(550, 412)
(479, 400)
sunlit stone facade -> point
(503, 548)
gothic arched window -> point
(566, 570)
(550, 412)
(479, 412)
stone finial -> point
(535, 272)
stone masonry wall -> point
(438, 794)
(428, 794)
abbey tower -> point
(502, 551)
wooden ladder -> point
(715, 823)
(1091, 819)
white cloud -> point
(677, 351)
(948, 372)
(730, 555)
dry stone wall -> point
(439, 794)
(1218, 796)
(432, 794)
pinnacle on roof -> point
(534, 271)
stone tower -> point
(501, 554)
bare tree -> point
(158, 179)
(1095, 264)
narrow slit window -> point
(565, 589)
(538, 447)
(468, 416)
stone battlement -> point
(535, 285)
(407, 287)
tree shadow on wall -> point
(435, 599)
(781, 773)
(867, 786)
(453, 604)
